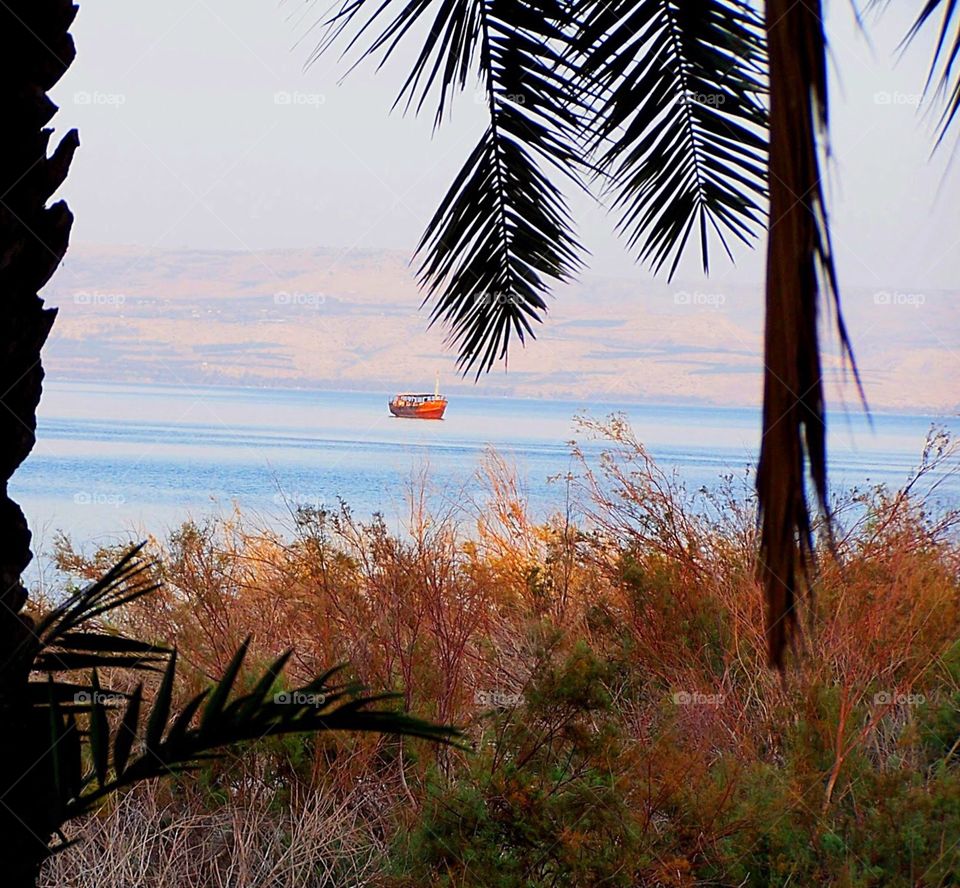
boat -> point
(420, 406)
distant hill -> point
(350, 319)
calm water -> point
(111, 460)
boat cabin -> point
(411, 400)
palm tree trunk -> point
(35, 51)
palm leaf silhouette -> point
(503, 230)
(944, 71)
(150, 743)
(678, 125)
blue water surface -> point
(119, 460)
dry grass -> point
(144, 840)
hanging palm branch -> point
(678, 123)
(667, 95)
(799, 264)
(503, 228)
(503, 232)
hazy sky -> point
(185, 145)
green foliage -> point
(543, 800)
(892, 831)
(556, 793)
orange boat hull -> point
(427, 410)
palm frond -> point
(799, 264)
(679, 124)
(126, 581)
(944, 70)
(148, 745)
(69, 638)
(448, 50)
(503, 232)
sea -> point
(117, 462)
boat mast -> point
(436, 387)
